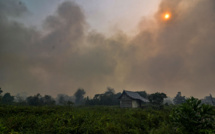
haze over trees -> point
(108, 98)
(79, 96)
(63, 99)
(179, 98)
(38, 100)
(51, 48)
(190, 117)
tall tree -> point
(157, 98)
(179, 99)
(107, 98)
(48, 100)
(1, 91)
(212, 99)
(79, 96)
(34, 100)
(61, 100)
(7, 98)
(110, 91)
(0, 94)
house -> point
(129, 99)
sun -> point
(167, 16)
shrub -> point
(193, 117)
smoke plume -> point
(165, 56)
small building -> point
(129, 99)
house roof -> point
(134, 95)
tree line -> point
(109, 98)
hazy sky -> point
(57, 46)
(104, 16)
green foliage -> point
(91, 120)
(2, 128)
(192, 117)
(157, 98)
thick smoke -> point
(166, 56)
(178, 54)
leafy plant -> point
(193, 117)
(157, 98)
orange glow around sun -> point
(167, 16)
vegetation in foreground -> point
(72, 115)
(99, 119)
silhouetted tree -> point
(1, 91)
(7, 98)
(38, 100)
(209, 100)
(34, 100)
(107, 98)
(110, 91)
(47, 100)
(79, 96)
(157, 98)
(63, 99)
(212, 100)
(87, 101)
(0, 94)
(179, 99)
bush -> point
(192, 117)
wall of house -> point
(135, 104)
(125, 101)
